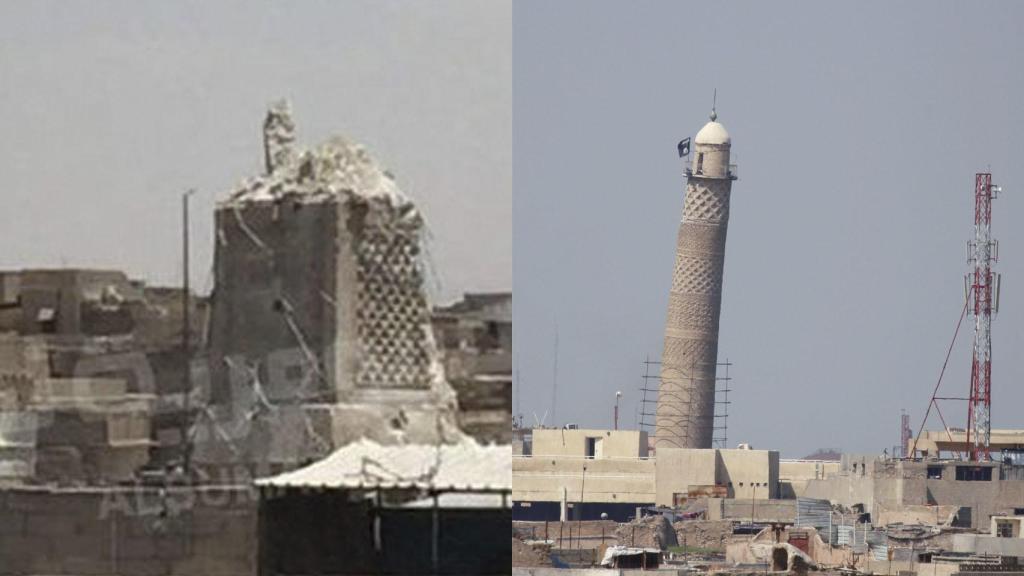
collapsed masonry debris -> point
(631, 558)
(709, 535)
(530, 555)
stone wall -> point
(128, 532)
(746, 509)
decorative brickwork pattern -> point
(696, 275)
(696, 238)
(707, 202)
(392, 316)
(693, 313)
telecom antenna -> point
(984, 251)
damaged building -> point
(320, 328)
(90, 375)
(475, 337)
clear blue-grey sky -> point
(110, 110)
(857, 128)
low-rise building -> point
(582, 474)
(980, 490)
(91, 372)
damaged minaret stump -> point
(278, 137)
(686, 396)
(320, 329)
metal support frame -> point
(648, 404)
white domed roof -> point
(712, 133)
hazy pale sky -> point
(857, 127)
(111, 109)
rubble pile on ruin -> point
(393, 316)
(707, 534)
(647, 532)
(529, 555)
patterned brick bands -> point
(686, 399)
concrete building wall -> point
(891, 486)
(129, 532)
(751, 509)
(988, 545)
(24, 356)
(679, 469)
(742, 474)
(931, 443)
(65, 293)
(608, 443)
(844, 490)
(795, 474)
(549, 479)
(750, 473)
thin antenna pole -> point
(932, 402)
(186, 343)
(519, 393)
(554, 383)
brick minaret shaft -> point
(686, 399)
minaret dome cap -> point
(713, 133)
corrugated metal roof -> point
(463, 467)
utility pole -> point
(617, 396)
(554, 383)
(186, 342)
(579, 511)
(753, 494)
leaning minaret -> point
(686, 399)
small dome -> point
(712, 133)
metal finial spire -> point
(714, 104)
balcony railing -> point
(732, 174)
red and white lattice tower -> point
(983, 253)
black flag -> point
(684, 147)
